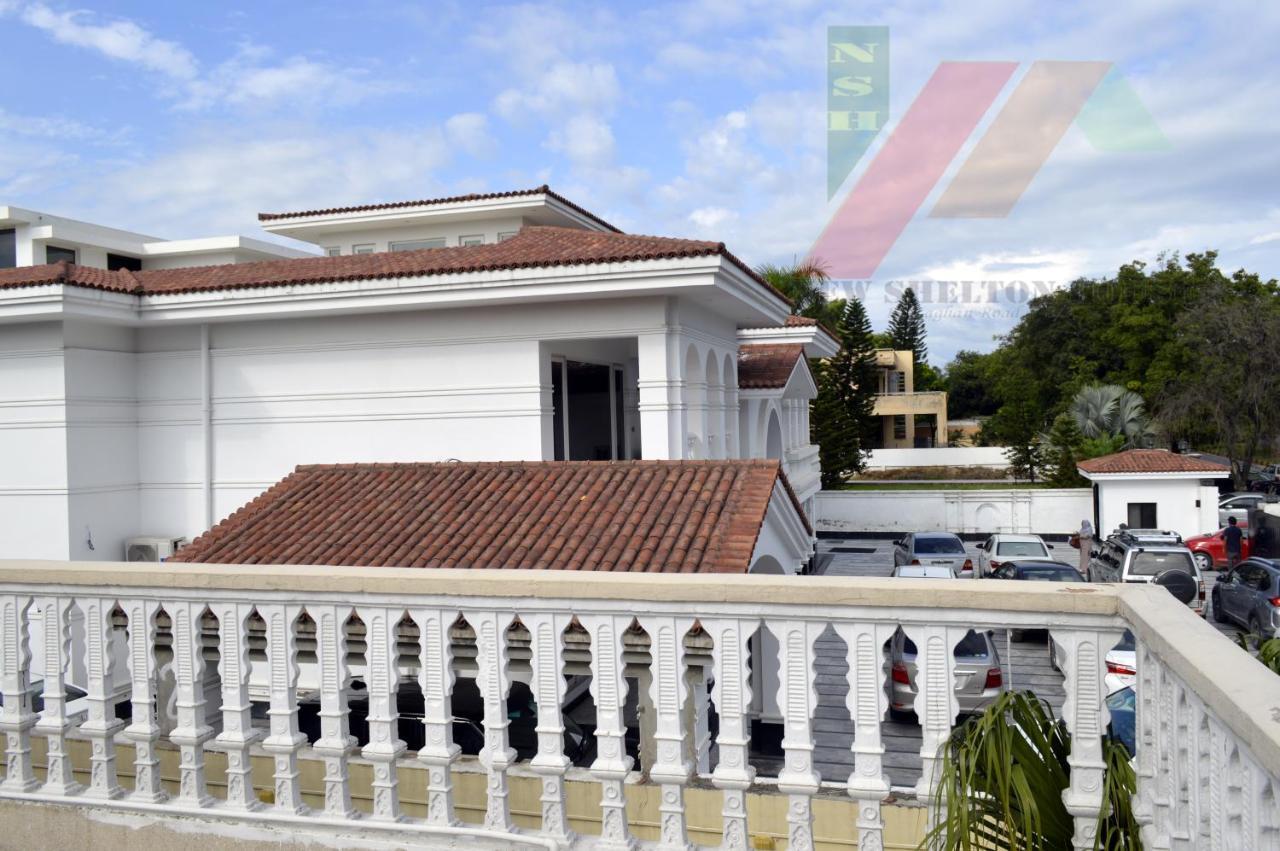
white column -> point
(336, 743)
(285, 739)
(1084, 654)
(609, 690)
(16, 717)
(731, 436)
(867, 702)
(494, 681)
(191, 732)
(731, 692)
(102, 724)
(661, 401)
(53, 723)
(548, 686)
(383, 680)
(143, 729)
(796, 700)
(669, 692)
(237, 734)
(935, 704)
(436, 677)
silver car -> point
(1238, 505)
(933, 549)
(979, 677)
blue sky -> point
(700, 119)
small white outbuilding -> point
(1154, 489)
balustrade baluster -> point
(935, 703)
(238, 734)
(493, 680)
(731, 692)
(867, 702)
(548, 686)
(336, 743)
(53, 722)
(383, 681)
(102, 724)
(672, 766)
(191, 732)
(285, 739)
(143, 729)
(609, 690)
(797, 697)
(16, 717)
(436, 676)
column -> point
(731, 692)
(796, 700)
(1084, 653)
(102, 724)
(661, 400)
(867, 702)
(732, 437)
(935, 704)
(609, 690)
(383, 680)
(494, 682)
(53, 723)
(436, 677)
(548, 686)
(237, 734)
(672, 767)
(16, 717)
(336, 743)
(192, 731)
(285, 739)
(143, 729)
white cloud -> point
(564, 88)
(121, 40)
(584, 139)
(54, 127)
(710, 218)
(469, 132)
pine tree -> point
(843, 412)
(906, 327)
(1064, 446)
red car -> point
(1210, 551)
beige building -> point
(907, 418)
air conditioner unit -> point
(152, 548)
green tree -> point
(970, 385)
(846, 397)
(806, 285)
(907, 330)
(1108, 410)
(1064, 447)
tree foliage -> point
(907, 329)
(1064, 448)
(846, 397)
(805, 285)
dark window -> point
(619, 427)
(939, 546)
(1142, 515)
(120, 261)
(55, 254)
(900, 427)
(1154, 563)
(8, 248)
(557, 408)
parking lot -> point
(1026, 666)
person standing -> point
(1233, 536)
(1084, 542)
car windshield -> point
(1021, 548)
(939, 546)
(972, 646)
(1148, 563)
(1055, 575)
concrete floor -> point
(1025, 663)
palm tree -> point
(1109, 411)
(803, 283)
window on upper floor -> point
(362, 249)
(333, 251)
(123, 261)
(416, 244)
(8, 248)
(505, 235)
(56, 254)
(473, 239)
(900, 427)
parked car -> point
(999, 548)
(1122, 665)
(1149, 555)
(1037, 571)
(923, 571)
(1238, 505)
(1122, 707)
(1250, 596)
(1210, 549)
(932, 549)
(979, 679)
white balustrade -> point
(1208, 762)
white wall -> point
(942, 456)
(1175, 499)
(451, 231)
(1038, 510)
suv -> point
(1140, 555)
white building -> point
(150, 400)
(1154, 489)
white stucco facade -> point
(1187, 504)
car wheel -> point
(1215, 600)
(1204, 562)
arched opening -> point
(712, 413)
(694, 403)
(773, 437)
(767, 564)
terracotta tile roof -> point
(794, 321)
(484, 196)
(532, 247)
(644, 516)
(767, 365)
(1149, 461)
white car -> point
(923, 571)
(1002, 547)
(1122, 663)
